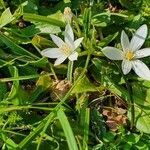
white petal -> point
(57, 40)
(141, 69)
(139, 38)
(73, 56)
(78, 42)
(60, 60)
(69, 31)
(69, 41)
(142, 53)
(51, 52)
(113, 53)
(125, 41)
(126, 66)
(69, 36)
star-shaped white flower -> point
(131, 53)
(66, 49)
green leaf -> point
(43, 19)
(17, 95)
(87, 21)
(131, 5)
(108, 79)
(67, 130)
(98, 123)
(132, 138)
(20, 10)
(43, 83)
(142, 118)
(47, 28)
(84, 85)
(105, 41)
(141, 145)
(30, 7)
(6, 18)
(101, 20)
(109, 136)
(16, 49)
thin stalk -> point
(53, 72)
(129, 88)
(15, 133)
(25, 107)
(94, 53)
(75, 83)
(38, 50)
(70, 71)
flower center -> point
(129, 55)
(66, 49)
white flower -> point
(131, 52)
(66, 49)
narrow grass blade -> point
(67, 130)
(10, 144)
(33, 134)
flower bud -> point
(68, 14)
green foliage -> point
(67, 130)
(131, 5)
(30, 116)
(6, 18)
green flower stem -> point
(70, 71)
(86, 63)
(129, 88)
(94, 53)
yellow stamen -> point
(129, 55)
(66, 49)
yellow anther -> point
(129, 55)
(66, 49)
